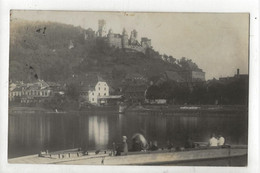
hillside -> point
(55, 52)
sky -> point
(216, 42)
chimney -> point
(238, 72)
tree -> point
(153, 92)
(199, 94)
(118, 73)
(172, 60)
(187, 64)
(72, 91)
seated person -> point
(221, 140)
(213, 142)
(118, 151)
(154, 146)
(139, 142)
(169, 145)
(189, 143)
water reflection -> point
(98, 131)
(28, 134)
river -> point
(32, 132)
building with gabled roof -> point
(92, 87)
(101, 89)
(34, 92)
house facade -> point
(101, 89)
(35, 92)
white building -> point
(100, 90)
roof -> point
(42, 83)
(17, 89)
(145, 39)
(100, 79)
(36, 87)
(118, 35)
(39, 85)
(111, 97)
(53, 84)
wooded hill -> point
(56, 51)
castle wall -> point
(115, 42)
(121, 41)
(148, 43)
(145, 42)
(125, 41)
(131, 48)
(89, 34)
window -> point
(92, 93)
(105, 94)
(105, 88)
(92, 99)
(99, 94)
(99, 88)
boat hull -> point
(173, 157)
(147, 158)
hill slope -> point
(57, 51)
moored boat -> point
(162, 157)
(159, 157)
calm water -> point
(31, 133)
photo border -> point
(219, 6)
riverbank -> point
(161, 109)
(21, 109)
(192, 110)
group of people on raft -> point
(139, 143)
(215, 141)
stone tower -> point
(110, 34)
(110, 37)
(101, 28)
(133, 37)
(124, 39)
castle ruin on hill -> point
(121, 41)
